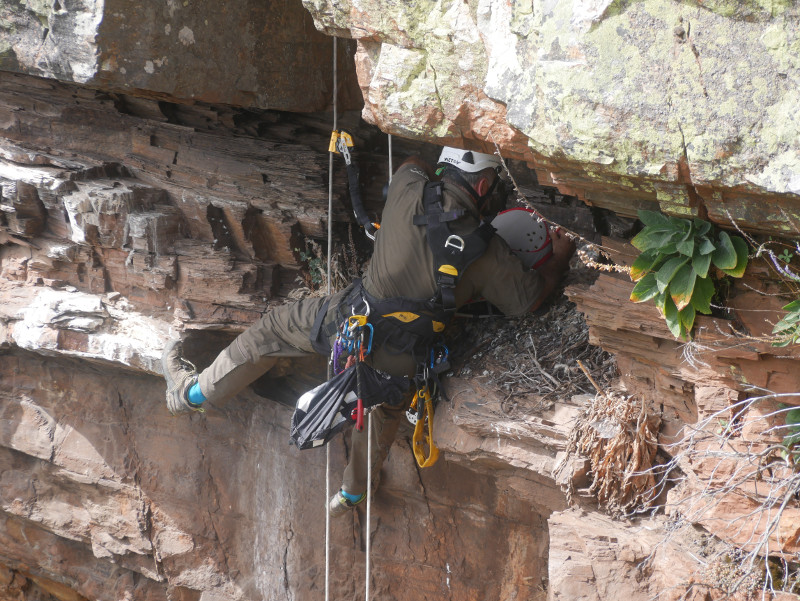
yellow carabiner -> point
(419, 438)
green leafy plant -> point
(791, 442)
(787, 330)
(674, 267)
(312, 256)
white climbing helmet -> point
(468, 160)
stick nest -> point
(619, 437)
(533, 356)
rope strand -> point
(391, 170)
(369, 500)
(330, 246)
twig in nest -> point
(555, 382)
(588, 375)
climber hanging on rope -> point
(433, 252)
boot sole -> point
(167, 350)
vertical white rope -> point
(330, 247)
(330, 168)
(369, 501)
(391, 170)
(327, 520)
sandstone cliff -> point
(162, 170)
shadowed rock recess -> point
(164, 172)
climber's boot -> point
(180, 375)
(341, 504)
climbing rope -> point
(330, 170)
(369, 446)
(369, 501)
(391, 170)
(340, 141)
(328, 289)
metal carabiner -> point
(420, 438)
(439, 354)
(365, 314)
(371, 335)
(455, 242)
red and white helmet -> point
(469, 160)
(526, 234)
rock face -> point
(164, 173)
(686, 106)
(729, 376)
(246, 53)
(120, 236)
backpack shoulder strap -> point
(452, 253)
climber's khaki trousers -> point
(284, 332)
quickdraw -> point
(341, 143)
(424, 414)
(421, 410)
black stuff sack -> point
(326, 409)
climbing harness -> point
(406, 325)
(452, 254)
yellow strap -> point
(421, 440)
(404, 316)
